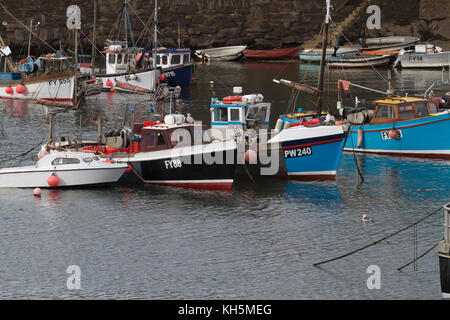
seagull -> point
(189, 119)
(366, 218)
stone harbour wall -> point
(212, 23)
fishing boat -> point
(360, 61)
(221, 54)
(180, 154)
(126, 64)
(273, 54)
(315, 55)
(50, 77)
(423, 56)
(63, 169)
(387, 45)
(401, 126)
(176, 66)
(444, 255)
(311, 144)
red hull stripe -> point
(405, 127)
(312, 144)
(441, 156)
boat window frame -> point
(220, 111)
(161, 137)
(406, 114)
(188, 58)
(114, 58)
(65, 161)
(425, 107)
(176, 55)
(393, 112)
(436, 107)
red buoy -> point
(113, 90)
(129, 169)
(20, 89)
(162, 78)
(9, 90)
(109, 83)
(53, 181)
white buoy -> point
(367, 218)
(37, 192)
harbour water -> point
(259, 241)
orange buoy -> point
(112, 90)
(109, 83)
(20, 89)
(393, 134)
(162, 77)
(9, 90)
(53, 181)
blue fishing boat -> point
(311, 144)
(402, 126)
(176, 66)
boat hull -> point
(311, 153)
(144, 80)
(425, 60)
(444, 269)
(189, 167)
(221, 54)
(360, 62)
(274, 54)
(179, 75)
(67, 178)
(59, 88)
(424, 138)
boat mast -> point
(155, 45)
(93, 53)
(125, 26)
(29, 37)
(323, 60)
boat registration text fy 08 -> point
(59, 82)
(297, 153)
(173, 164)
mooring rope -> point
(419, 257)
(380, 240)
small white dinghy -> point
(221, 54)
(63, 169)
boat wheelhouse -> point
(403, 126)
(239, 113)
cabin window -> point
(422, 110)
(63, 161)
(433, 107)
(154, 139)
(112, 58)
(125, 59)
(221, 114)
(235, 115)
(385, 112)
(186, 58)
(406, 112)
(158, 60)
(88, 160)
(180, 138)
(119, 58)
(165, 60)
(176, 59)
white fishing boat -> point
(424, 56)
(221, 54)
(63, 169)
